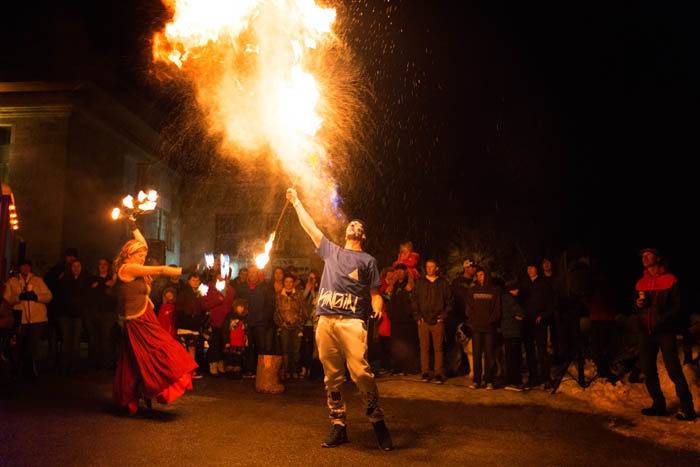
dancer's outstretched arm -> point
(307, 223)
(133, 270)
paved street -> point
(223, 422)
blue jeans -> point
(290, 341)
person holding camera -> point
(659, 314)
(28, 296)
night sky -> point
(536, 124)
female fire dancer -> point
(347, 295)
(152, 363)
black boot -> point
(686, 414)
(336, 437)
(383, 436)
(656, 410)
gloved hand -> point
(24, 296)
(32, 296)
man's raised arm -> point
(305, 219)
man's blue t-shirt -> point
(346, 281)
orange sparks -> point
(255, 66)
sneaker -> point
(425, 377)
(383, 436)
(197, 375)
(336, 437)
(513, 387)
(475, 386)
(655, 411)
(686, 415)
(490, 386)
(439, 379)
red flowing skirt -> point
(152, 364)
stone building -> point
(69, 152)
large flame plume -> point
(255, 66)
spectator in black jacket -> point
(189, 316)
(512, 316)
(538, 312)
(102, 318)
(432, 301)
(72, 311)
(484, 303)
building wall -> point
(37, 176)
(74, 154)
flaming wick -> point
(147, 202)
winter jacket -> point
(485, 305)
(432, 301)
(233, 331)
(534, 297)
(550, 295)
(512, 316)
(399, 305)
(33, 311)
(188, 310)
(261, 305)
(102, 297)
(460, 290)
(290, 310)
(661, 311)
(217, 303)
(74, 295)
(411, 262)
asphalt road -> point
(63, 422)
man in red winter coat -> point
(659, 312)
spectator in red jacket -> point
(659, 312)
(409, 258)
(234, 338)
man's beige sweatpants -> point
(342, 340)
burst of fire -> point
(147, 202)
(263, 258)
(254, 64)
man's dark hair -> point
(71, 252)
(23, 262)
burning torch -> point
(132, 208)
